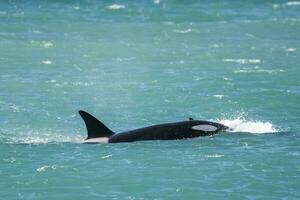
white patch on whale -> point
(97, 140)
(204, 127)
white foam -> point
(15, 108)
(53, 81)
(40, 137)
(290, 50)
(258, 70)
(116, 7)
(183, 31)
(43, 168)
(107, 156)
(219, 96)
(242, 125)
(47, 44)
(214, 156)
(293, 3)
(47, 62)
(293, 19)
(227, 79)
(83, 83)
(243, 61)
(43, 140)
(250, 35)
(53, 167)
(215, 46)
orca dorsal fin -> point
(191, 119)
(95, 128)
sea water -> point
(139, 63)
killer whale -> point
(98, 133)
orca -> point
(98, 133)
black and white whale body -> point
(99, 133)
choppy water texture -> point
(134, 64)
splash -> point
(242, 125)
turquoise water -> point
(134, 64)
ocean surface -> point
(139, 63)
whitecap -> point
(15, 108)
(214, 156)
(219, 96)
(250, 35)
(258, 70)
(243, 61)
(47, 62)
(53, 167)
(227, 79)
(156, 1)
(37, 31)
(107, 156)
(83, 83)
(47, 44)
(182, 31)
(293, 3)
(290, 50)
(214, 46)
(116, 6)
(169, 23)
(10, 160)
(43, 168)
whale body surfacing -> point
(98, 133)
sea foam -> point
(116, 7)
(293, 3)
(242, 125)
(243, 61)
(38, 137)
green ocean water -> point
(138, 63)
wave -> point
(242, 125)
